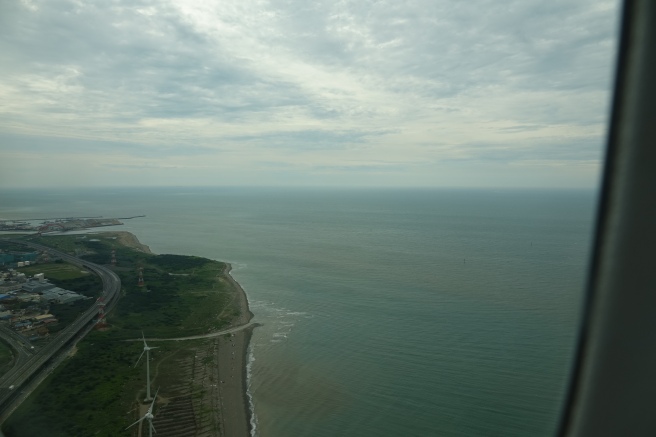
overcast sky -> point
(305, 92)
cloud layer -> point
(257, 92)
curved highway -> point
(29, 361)
(24, 350)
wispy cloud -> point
(309, 85)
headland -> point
(191, 309)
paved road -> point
(24, 350)
(28, 367)
(208, 335)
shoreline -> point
(237, 413)
(247, 398)
(245, 315)
(128, 239)
(232, 391)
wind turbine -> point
(146, 350)
(149, 416)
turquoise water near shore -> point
(384, 312)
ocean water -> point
(384, 312)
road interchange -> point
(31, 361)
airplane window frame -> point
(613, 384)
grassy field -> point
(171, 305)
(65, 243)
(67, 276)
(55, 271)
(95, 391)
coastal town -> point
(61, 224)
(26, 300)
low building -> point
(60, 295)
(28, 297)
(33, 286)
(22, 325)
(44, 318)
(8, 287)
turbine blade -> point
(152, 404)
(136, 422)
(151, 425)
(144, 339)
(139, 358)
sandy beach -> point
(203, 388)
(233, 402)
(232, 359)
(214, 363)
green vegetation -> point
(67, 313)
(6, 357)
(95, 391)
(91, 394)
(65, 243)
(99, 252)
(179, 262)
(90, 285)
(181, 295)
(173, 305)
(55, 270)
(68, 276)
(9, 246)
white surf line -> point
(196, 337)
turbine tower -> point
(149, 416)
(146, 350)
(140, 283)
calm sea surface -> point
(385, 313)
